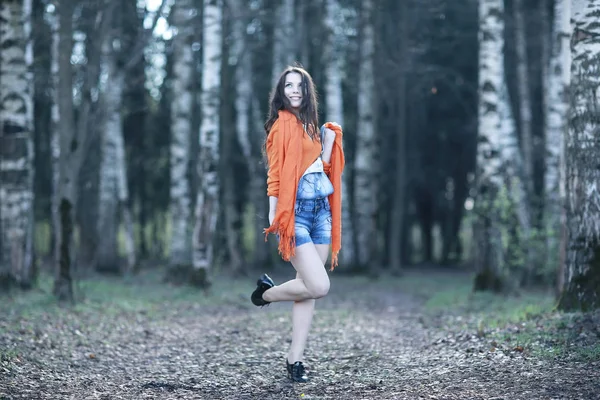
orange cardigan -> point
(290, 152)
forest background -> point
(132, 137)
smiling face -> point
(293, 89)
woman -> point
(304, 189)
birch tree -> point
(207, 201)
(334, 71)
(582, 281)
(285, 41)
(398, 202)
(498, 158)
(180, 208)
(365, 166)
(16, 143)
(53, 20)
(557, 110)
(113, 191)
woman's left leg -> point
(302, 314)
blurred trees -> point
(147, 130)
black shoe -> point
(262, 285)
(296, 371)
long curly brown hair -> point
(308, 111)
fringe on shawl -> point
(287, 242)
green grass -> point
(528, 321)
(7, 355)
(114, 295)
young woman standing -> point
(304, 189)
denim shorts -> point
(312, 221)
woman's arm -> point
(274, 157)
(272, 208)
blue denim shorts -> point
(312, 221)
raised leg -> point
(312, 281)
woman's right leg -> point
(313, 282)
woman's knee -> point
(319, 289)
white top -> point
(317, 166)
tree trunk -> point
(258, 194)
(122, 184)
(303, 27)
(180, 249)
(108, 222)
(365, 191)
(89, 135)
(16, 144)
(70, 150)
(524, 93)
(284, 48)
(55, 133)
(230, 212)
(398, 200)
(334, 66)
(207, 200)
(498, 158)
(582, 281)
(557, 110)
(243, 101)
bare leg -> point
(302, 314)
(313, 281)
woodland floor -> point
(419, 336)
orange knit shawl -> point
(289, 148)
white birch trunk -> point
(557, 113)
(365, 164)
(54, 133)
(207, 202)
(16, 143)
(113, 193)
(581, 289)
(498, 156)
(334, 64)
(284, 39)
(488, 248)
(524, 93)
(180, 249)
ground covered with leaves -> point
(422, 335)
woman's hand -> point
(329, 136)
(328, 140)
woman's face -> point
(293, 89)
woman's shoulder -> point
(282, 116)
(285, 115)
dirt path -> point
(367, 342)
